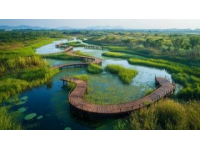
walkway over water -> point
(86, 60)
(76, 98)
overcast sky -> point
(134, 23)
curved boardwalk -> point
(76, 96)
(87, 60)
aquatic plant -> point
(94, 68)
(20, 103)
(83, 77)
(21, 110)
(39, 117)
(148, 91)
(101, 91)
(114, 54)
(125, 74)
(30, 116)
(81, 53)
(24, 98)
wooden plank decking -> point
(82, 64)
(77, 101)
(76, 96)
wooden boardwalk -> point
(86, 60)
(77, 101)
(76, 96)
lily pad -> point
(68, 128)
(11, 100)
(39, 117)
(30, 116)
(24, 98)
(21, 110)
(20, 103)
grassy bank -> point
(23, 49)
(124, 74)
(94, 69)
(165, 115)
(21, 69)
(7, 121)
(187, 76)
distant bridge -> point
(93, 47)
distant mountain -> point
(63, 28)
(21, 27)
(104, 27)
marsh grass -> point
(82, 54)
(21, 69)
(94, 68)
(61, 56)
(187, 76)
(24, 80)
(7, 121)
(148, 91)
(125, 74)
(165, 115)
(116, 55)
(83, 77)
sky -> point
(125, 23)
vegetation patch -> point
(94, 68)
(107, 89)
(187, 76)
(165, 115)
(125, 74)
(83, 77)
(30, 116)
(81, 53)
(116, 55)
(7, 121)
(60, 56)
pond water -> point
(50, 101)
